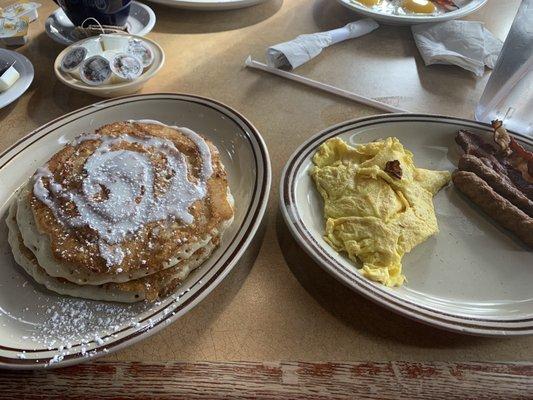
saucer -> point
(59, 28)
(25, 68)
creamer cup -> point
(72, 61)
(125, 68)
(95, 71)
(21, 9)
(141, 50)
(14, 31)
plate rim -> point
(288, 207)
(27, 80)
(413, 19)
(250, 226)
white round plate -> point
(112, 89)
(209, 5)
(25, 68)
(40, 328)
(472, 277)
(59, 28)
(392, 19)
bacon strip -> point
(474, 144)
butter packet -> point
(14, 31)
(20, 9)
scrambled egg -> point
(377, 204)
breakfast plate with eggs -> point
(371, 200)
(408, 12)
(120, 217)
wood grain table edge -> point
(274, 380)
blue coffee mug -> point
(106, 12)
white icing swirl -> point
(118, 193)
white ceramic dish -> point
(24, 67)
(112, 89)
(209, 5)
(472, 277)
(35, 323)
(392, 19)
(59, 28)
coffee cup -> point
(106, 12)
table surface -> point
(283, 307)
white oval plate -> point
(472, 277)
(40, 328)
(112, 89)
(393, 19)
(59, 28)
(25, 68)
(209, 5)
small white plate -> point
(38, 327)
(392, 19)
(59, 28)
(472, 277)
(209, 5)
(115, 89)
(25, 68)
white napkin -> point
(464, 43)
(294, 53)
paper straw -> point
(323, 86)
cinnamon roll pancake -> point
(124, 213)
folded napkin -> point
(294, 53)
(464, 43)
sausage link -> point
(500, 183)
(500, 209)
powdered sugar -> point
(69, 326)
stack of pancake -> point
(123, 214)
